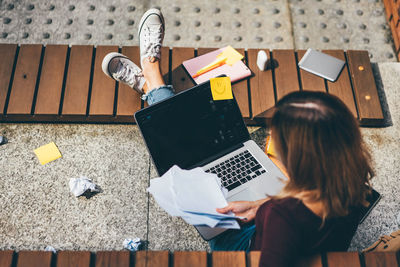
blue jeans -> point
(233, 240)
(159, 94)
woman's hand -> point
(247, 209)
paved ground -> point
(344, 24)
(37, 208)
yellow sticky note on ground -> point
(221, 88)
(47, 153)
(232, 56)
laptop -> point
(192, 130)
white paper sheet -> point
(193, 195)
(198, 192)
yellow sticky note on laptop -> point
(221, 88)
(232, 56)
(47, 153)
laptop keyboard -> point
(237, 170)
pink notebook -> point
(236, 72)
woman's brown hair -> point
(319, 142)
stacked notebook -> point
(235, 72)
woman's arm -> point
(247, 209)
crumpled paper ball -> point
(83, 186)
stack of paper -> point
(193, 195)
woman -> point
(318, 141)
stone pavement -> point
(321, 24)
(37, 207)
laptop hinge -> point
(218, 155)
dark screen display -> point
(190, 128)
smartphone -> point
(321, 64)
(372, 199)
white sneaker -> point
(151, 35)
(122, 69)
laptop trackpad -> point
(246, 194)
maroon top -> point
(286, 229)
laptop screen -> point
(190, 128)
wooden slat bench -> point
(58, 83)
(184, 259)
(392, 8)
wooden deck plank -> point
(241, 91)
(286, 79)
(261, 85)
(253, 260)
(388, 9)
(369, 106)
(7, 55)
(180, 79)
(253, 257)
(129, 99)
(342, 86)
(395, 37)
(113, 259)
(24, 84)
(103, 88)
(164, 64)
(395, 13)
(397, 32)
(6, 257)
(34, 259)
(73, 259)
(229, 258)
(51, 80)
(379, 259)
(152, 258)
(204, 50)
(343, 259)
(309, 81)
(312, 261)
(78, 78)
(190, 258)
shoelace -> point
(153, 37)
(127, 74)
